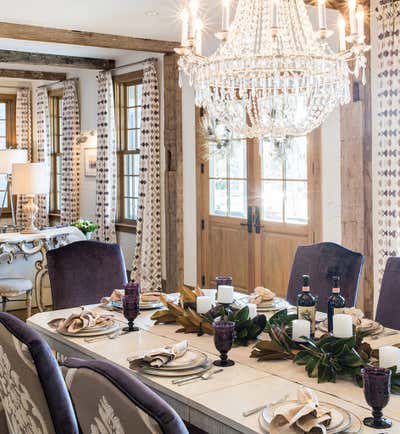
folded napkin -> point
(356, 314)
(82, 320)
(160, 356)
(117, 295)
(303, 416)
(261, 295)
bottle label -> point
(336, 290)
(308, 313)
(338, 310)
(306, 289)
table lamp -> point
(8, 157)
(30, 179)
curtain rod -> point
(151, 59)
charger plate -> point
(276, 304)
(190, 360)
(367, 325)
(143, 305)
(180, 373)
(89, 333)
(341, 418)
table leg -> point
(41, 267)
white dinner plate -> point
(182, 373)
(280, 304)
(190, 360)
(90, 333)
(143, 305)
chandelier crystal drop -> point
(273, 75)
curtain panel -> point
(70, 154)
(24, 138)
(106, 169)
(43, 149)
(388, 131)
(146, 267)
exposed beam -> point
(25, 58)
(77, 37)
(33, 75)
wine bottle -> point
(336, 302)
(307, 304)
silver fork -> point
(206, 376)
(261, 407)
(104, 338)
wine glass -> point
(224, 332)
(377, 385)
(130, 304)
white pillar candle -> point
(226, 15)
(199, 37)
(352, 16)
(212, 293)
(389, 357)
(203, 304)
(274, 18)
(360, 21)
(194, 8)
(342, 33)
(185, 27)
(300, 327)
(342, 326)
(225, 294)
(322, 14)
(252, 310)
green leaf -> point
(326, 374)
(242, 315)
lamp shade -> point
(30, 178)
(8, 157)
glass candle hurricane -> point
(224, 333)
(223, 281)
(377, 385)
(130, 304)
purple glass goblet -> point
(224, 333)
(130, 304)
(223, 281)
(377, 385)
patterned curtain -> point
(70, 154)
(388, 103)
(147, 262)
(43, 149)
(106, 173)
(24, 138)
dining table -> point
(216, 405)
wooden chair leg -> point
(29, 303)
(4, 304)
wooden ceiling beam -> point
(25, 58)
(77, 37)
(32, 75)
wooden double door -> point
(258, 201)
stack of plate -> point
(143, 305)
(274, 305)
(97, 330)
(367, 325)
(192, 363)
(341, 421)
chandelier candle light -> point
(272, 67)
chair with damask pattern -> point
(322, 262)
(108, 399)
(33, 395)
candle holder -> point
(223, 281)
(377, 385)
(130, 305)
(224, 333)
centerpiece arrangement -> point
(87, 227)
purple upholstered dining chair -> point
(108, 399)
(387, 312)
(32, 390)
(83, 272)
(321, 262)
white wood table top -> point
(18, 237)
(216, 405)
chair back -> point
(108, 399)
(82, 273)
(32, 390)
(387, 312)
(322, 262)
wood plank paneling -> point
(173, 174)
(77, 37)
(33, 75)
(25, 58)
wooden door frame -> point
(202, 188)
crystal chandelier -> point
(273, 75)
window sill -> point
(125, 227)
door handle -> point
(249, 222)
(257, 220)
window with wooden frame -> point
(128, 113)
(7, 140)
(56, 109)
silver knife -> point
(183, 380)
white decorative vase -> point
(89, 235)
